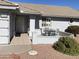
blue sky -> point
(70, 3)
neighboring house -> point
(26, 18)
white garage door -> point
(75, 23)
(61, 25)
(4, 30)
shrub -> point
(73, 29)
(59, 46)
(67, 45)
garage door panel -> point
(4, 40)
(4, 23)
(4, 32)
(4, 28)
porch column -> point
(37, 24)
(40, 23)
(32, 25)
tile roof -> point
(44, 10)
(25, 9)
(48, 10)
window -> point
(46, 22)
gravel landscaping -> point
(47, 52)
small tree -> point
(73, 29)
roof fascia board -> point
(61, 16)
(8, 7)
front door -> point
(20, 24)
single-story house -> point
(16, 18)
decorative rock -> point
(32, 52)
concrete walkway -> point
(18, 45)
(22, 40)
(14, 49)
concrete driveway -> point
(17, 45)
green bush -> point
(59, 46)
(67, 45)
(73, 29)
